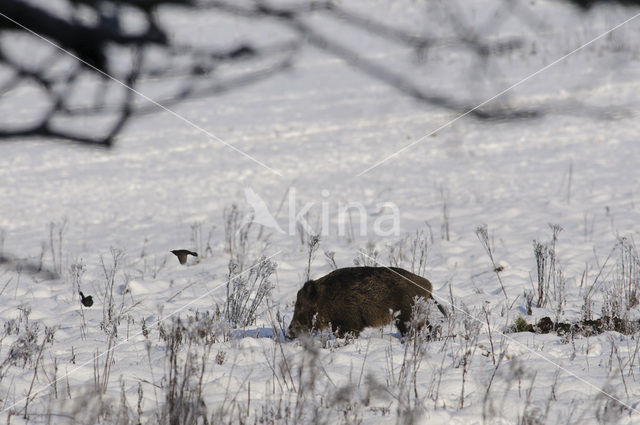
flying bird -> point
(86, 301)
(182, 254)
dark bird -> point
(182, 254)
(86, 301)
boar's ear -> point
(310, 288)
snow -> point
(319, 125)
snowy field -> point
(105, 220)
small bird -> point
(182, 254)
(86, 301)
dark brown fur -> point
(353, 298)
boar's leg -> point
(402, 322)
(340, 330)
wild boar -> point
(353, 298)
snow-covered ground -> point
(319, 126)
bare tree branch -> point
(192, 71)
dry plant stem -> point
(55, 244)
(486, 315)
(633, 358)
(35, 373)
(313, 243)
(66, 372)
(524, 418)
(101, 381)
(187, 286)
(620, 365)
(465, 365)
(52, 246)
(482, 233)
(153, 383)
(509, 307)
(287, 367)
(419, 253)
(541, 265)
(471, 330)
(271, 362)
(486, 394)
(55, 377)
(329, 256)
(83, 324)
(595, 281)
(110, 278)
(445, 216)
(245, 293)
(440, 372)
(364, 361)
